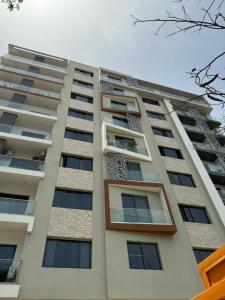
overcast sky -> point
(100, 33)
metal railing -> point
(24, 88)
(26, 107)
(37, 134)
(126, 146)
(9, 269)
(21, 163)
(16, 206)
(133, 215)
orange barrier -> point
(212, 271)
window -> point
(194, 214)
(136, 209)
(83, 72)
(201, 254)
(82, 98)
(75, 162)
(39, 58)
(118, 105)
(33, 69)
(181, 179)
(134, 171)
(118, 91)
(114, 78)
(125, 143)
(120, 122)
(78, 135)
(80, 114)
(162, 132)
(33, 134)
(13, 204)
(83, 84)
(175, 153)
(156, 115)
(150, 101)
(67, 254)
(143, 256)
(72, 199)
(27, 82)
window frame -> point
(82, 98)
(84, 84)
(144, 259)
(150, 101)
(163, 131)
(81, 113)
(64, 162)
(153, 114)
(167, 152)
(179, 179)
(83, 72)
(189, 214)
(210, 251)
(60, 200)
(74, 134)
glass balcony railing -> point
(29, 73)
(31, 108)
(212, 168)
(193, 128)
(35, 62)
(27, 89)
(9, 269)
(143, 176)
(123, 124)
(27, 132)
(133, 215)
(16, 206)
(21, 163)
(127, 146)
(126, 108)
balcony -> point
(21, 166)
(18, 71)
(17, 211)
(26, 133)
(35, 63)
(30, 90)
(28, 108)
(195, 133)
(122, 108)
(143, 176)
(144, 216)
(217, 173)
(205, 152)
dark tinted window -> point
(33, 69)
(83, 72)
(72, 199)
(134, 171)
(201, 254)
(39, 58)
(175, 153)
(33, 134)
(78, 135)
(27, 82)
(143, 256)
(194, 214)
(81, 98)
(150, 101)
(136, 209)
(67, 254)
(80, 114)
(120, 122)
(75, 162)
(156, 115)
(114, 78)
(118, 105)
(83, 83)
(162, 132)
(181, 179)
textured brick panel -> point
(70, 223)
(176, 165)
(203, 235)
(188, 195)
(75, 179)
(76, 123)
(83, 106)
(77, 147)
(166, 142)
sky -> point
(101, 33)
